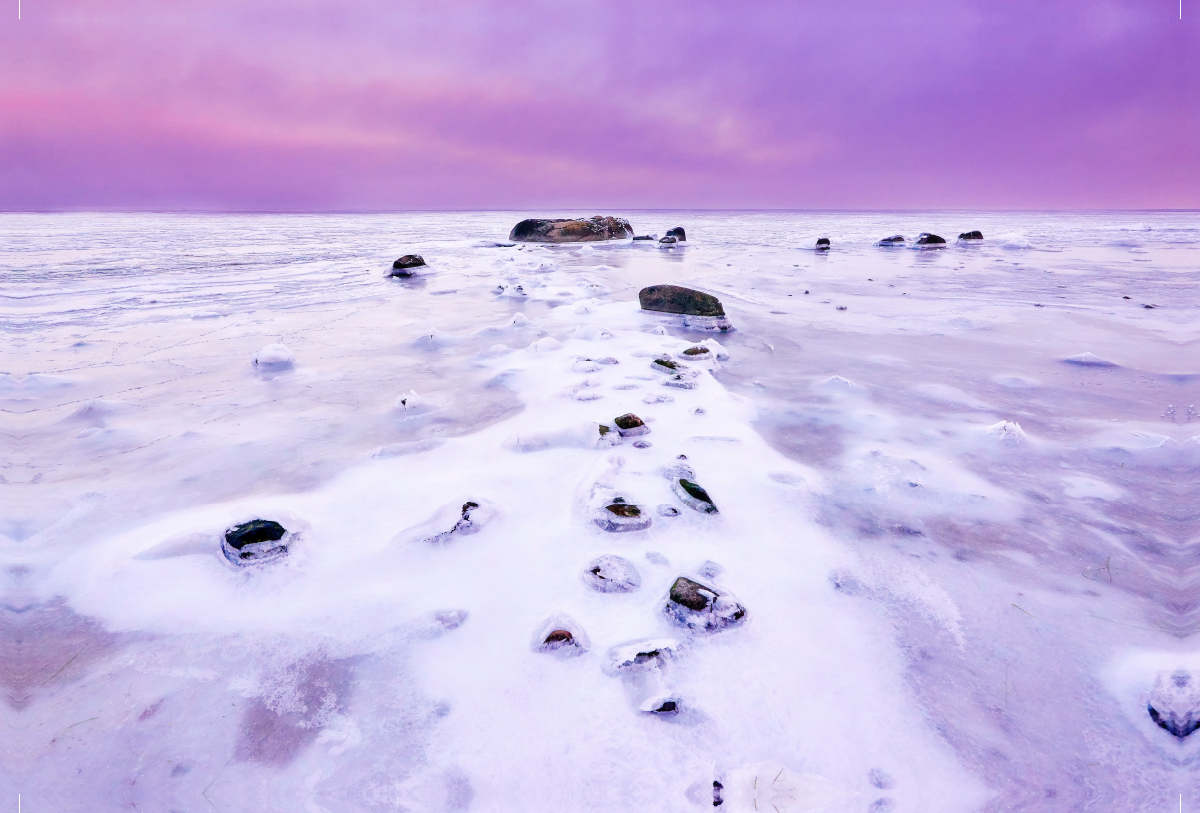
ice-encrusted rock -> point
(668, 241)
(681, 381)
(693, 496)
(646, 237)
(471, 519)
(700, 607)
(571, 230)
(1174, 704)
(255, 542)
(620, 516)
(665, 510)
(630, 425)
(971, 235)
(666, 703)
(612, 574)
(665, 364)
(649, 653)
(927, 240)
(894, 240)
(1009, 433)
(678, 233)
(698, 309)
(560, 635)
(407, 265)
(697, 352)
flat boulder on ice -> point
(407, 265)
(565, 230)
(612, 574)
(680, 300)
(620, 516)
(255, 542)
(697, 606)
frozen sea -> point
(958, 493)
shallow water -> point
(968, 562)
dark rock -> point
(668, 240)
(927, 239)
(1178, 726)
(468, 523)
(578, 230)
(894, 240)
(630, 424)
(640, 655)
(561, 636)
(612, 574)
(696, 606)
(677, 299)
(822, 244)
(665, 510)
(971, 235)
(254, 542)
(693, 496)
(678, 233)
(699, 351)
(645, 237)
(664, 364)
(404, 266)
(620, 516)
(661, 704)
(717, 788)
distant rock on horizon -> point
(566, 230)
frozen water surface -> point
(957, 494)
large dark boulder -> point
(253, 542)
(678, 233)
(693, 496)
(971, 235)
(406, 265)
(927, 239)
(579, 230)
(894, 240)
(677, 299)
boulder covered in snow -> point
(697, 606)
(255, 542)
(612, 574)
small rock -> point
(668, 240)
(612, 574)
(665, 510)
(971, 235)
(620, 516)
(255, 542)
(1126, 297)
(642, 444)
(1151, 307)
(1175, 704)
(693, 496)
(697, 606)
(664, 364)
(464, 527)
(681, 381)
(678, 233)
(646, 237)
(894, 240)
(561, 636)
(696, 352)
(647, 654)
(629, 425)
(660, 704)
(822, 244)
(565, 230)
(841, 307)
(927, 239)
(404, 266)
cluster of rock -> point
(928, 239)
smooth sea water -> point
(957, 490)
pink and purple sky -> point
(460, 104)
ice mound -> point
(612, 574)
(274, 357)
(1008, 433)
(1088, 360)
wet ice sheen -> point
(960, 525)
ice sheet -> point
(956, 495)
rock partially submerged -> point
(566, 230)
(928, 240)
(465, 526)
(894, 240)
(255, 542)
(650, 653)
(620, 516)
(678, 233)
(1174, 704)
(668, 240)
(700, 310)
(612, 574)
(693, 495)
(697, 606)
(971, 235)
(822, 244)
(646, 237)
(630, 425)
(406, 266)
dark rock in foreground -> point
(927, 239)
(678, 233)
(620, 516)
(254, 542)
(612, 574)
(822, 244)
(693, 496)
(697, 606)
(404, 266)
(630, 424)
(971, 235)
(699, 310)
(894, 240)
(579, 230)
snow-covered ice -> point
(917, 534)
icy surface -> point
(957, 494)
